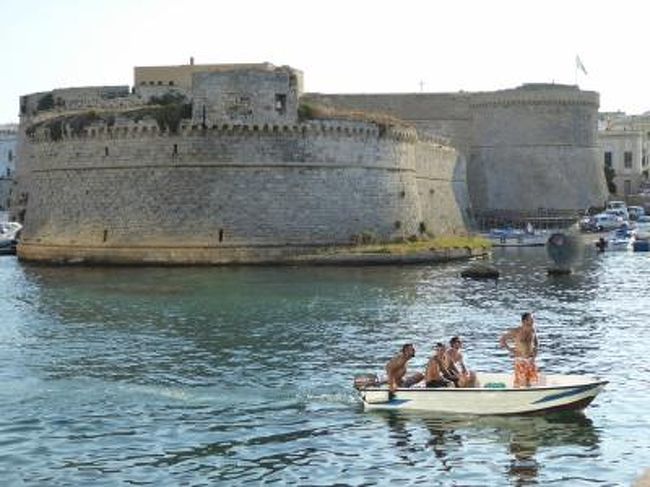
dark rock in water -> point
(559, 271)
(480, 271)
(564, 249)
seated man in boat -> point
(460, 374)
(396, 369)
(437, 372)
(524, 349)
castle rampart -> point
(215, 190)
(523, 149)
(535, 147)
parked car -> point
(615, 205)
(620, 211)
(635, 212)
(607, 221)
(642, 226)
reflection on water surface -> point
(225, 376)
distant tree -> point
(609, 178)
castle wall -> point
(216, 195)
(443, 115)
(535, 147)
(65, 99)
(245, 97)
(522, 149)
(442, 119)
(442, 189)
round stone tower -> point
(534, 147)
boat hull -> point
(559, 393)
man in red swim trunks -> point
(525, 342)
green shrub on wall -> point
(315, 111)
(167, 110)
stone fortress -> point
(208, 164)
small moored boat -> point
(494, 396)
(509, 237)
(9, 232)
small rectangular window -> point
(628, 159)
(608, 159)
(281, 103)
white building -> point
(625, 141)
(8, 141)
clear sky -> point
(342, 46)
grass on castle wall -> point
(435, 244)
(316, 111)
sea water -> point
(243, 375)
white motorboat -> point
(9, 232)
(621, 239)
(517, 238)
(495, 395)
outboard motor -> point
(365, 380)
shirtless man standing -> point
(396, 368)
(524, 338)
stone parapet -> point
(149, 128)
(536, 94)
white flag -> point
(580, 66)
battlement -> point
(536, 94)
(56, 131)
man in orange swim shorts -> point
(524, 338)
